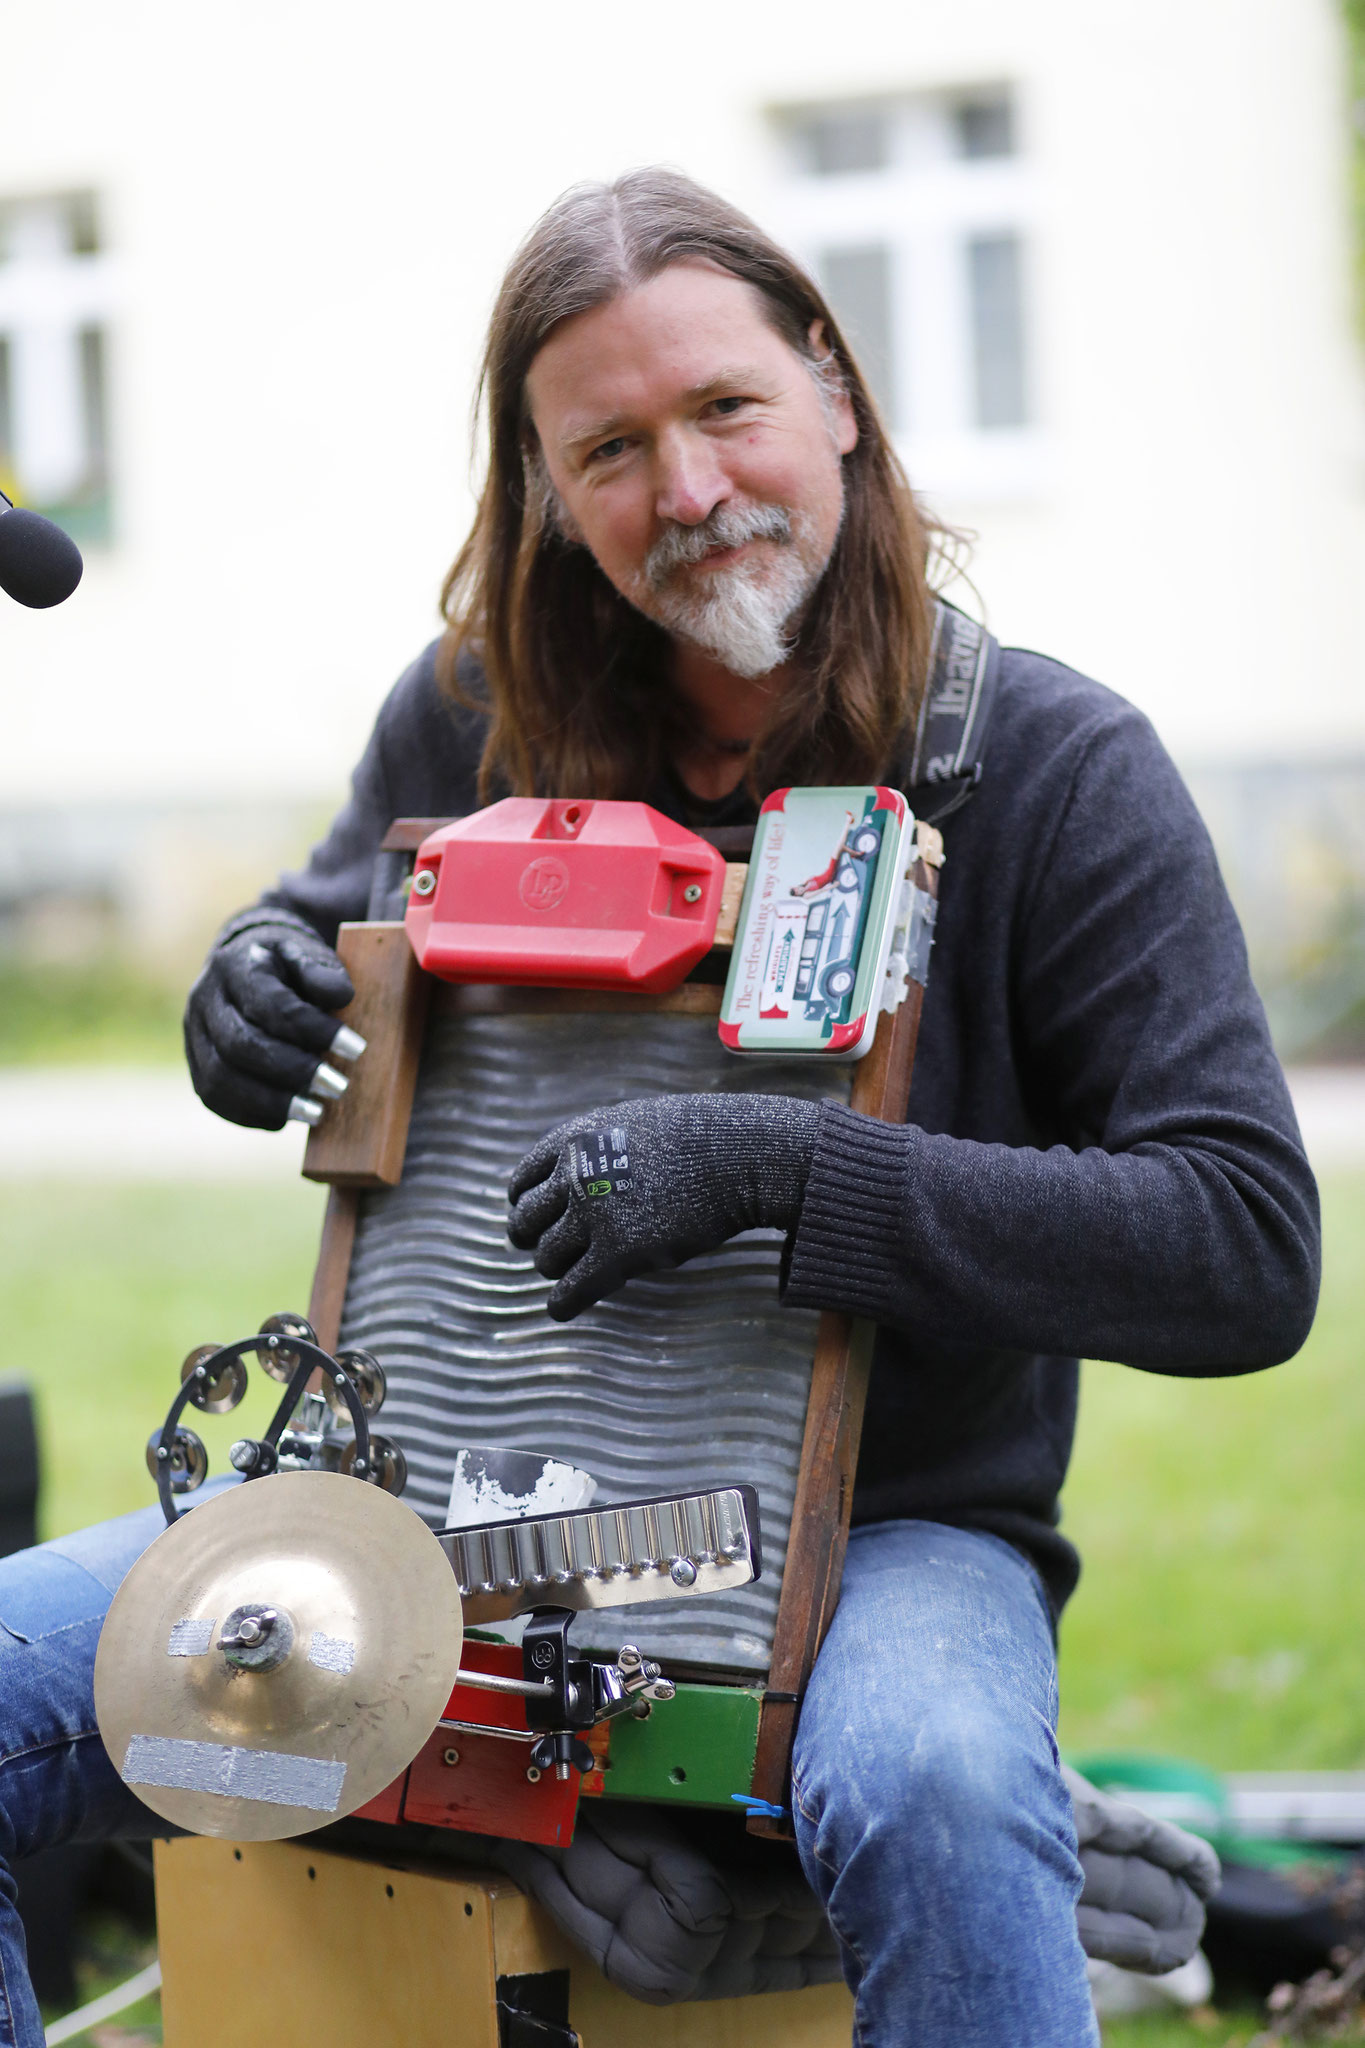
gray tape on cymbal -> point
(331, 1653)
(311, 1781)
(190, 1638)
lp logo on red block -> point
(545, 884)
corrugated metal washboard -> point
(683, 1380)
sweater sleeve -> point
(1174, 1226)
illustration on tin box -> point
(813, 946)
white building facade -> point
(1096, 257)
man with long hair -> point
(697, 572)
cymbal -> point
(277, 1657)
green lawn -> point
(78, 1013)
(1220, 1521)
(104, 1290)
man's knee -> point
(950, 1783)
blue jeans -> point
(56, 1781)
(931, 1815)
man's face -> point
(693, 452)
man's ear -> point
(833, 389)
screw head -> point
(532, 1775)
(683, 1572)
(692, 893)
(425, 883)
(451, 1757)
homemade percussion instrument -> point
(306, 1645)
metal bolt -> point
(162, 1453)
(450, 1756)
(683, 1572)
(532, 1775)
(242, 1456)
(272, 1343)
(692, 893)
(425, 883)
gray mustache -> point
(729, 526)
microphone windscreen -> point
(39, 564)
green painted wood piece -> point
(694, 1750)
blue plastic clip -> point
(763, 1808)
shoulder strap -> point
(964, 664)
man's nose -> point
(689, 482)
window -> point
(857, 283)
(916, 214)
(55, 300)
(995, 296)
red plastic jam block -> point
(558, 894)
(479, 1783)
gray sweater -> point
(1101, 1157)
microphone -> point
(39, 564)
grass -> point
(88, 1012)
(1220, 1524)
(1219, 1615)
(109, 1954)
(104, 1292)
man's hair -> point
(575, 677)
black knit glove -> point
(257, 1023)
(644, 1185)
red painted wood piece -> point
(487, 1791)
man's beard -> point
(747, 615)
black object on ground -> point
(1266, 1927)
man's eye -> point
(726, 406)
(609, 450)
